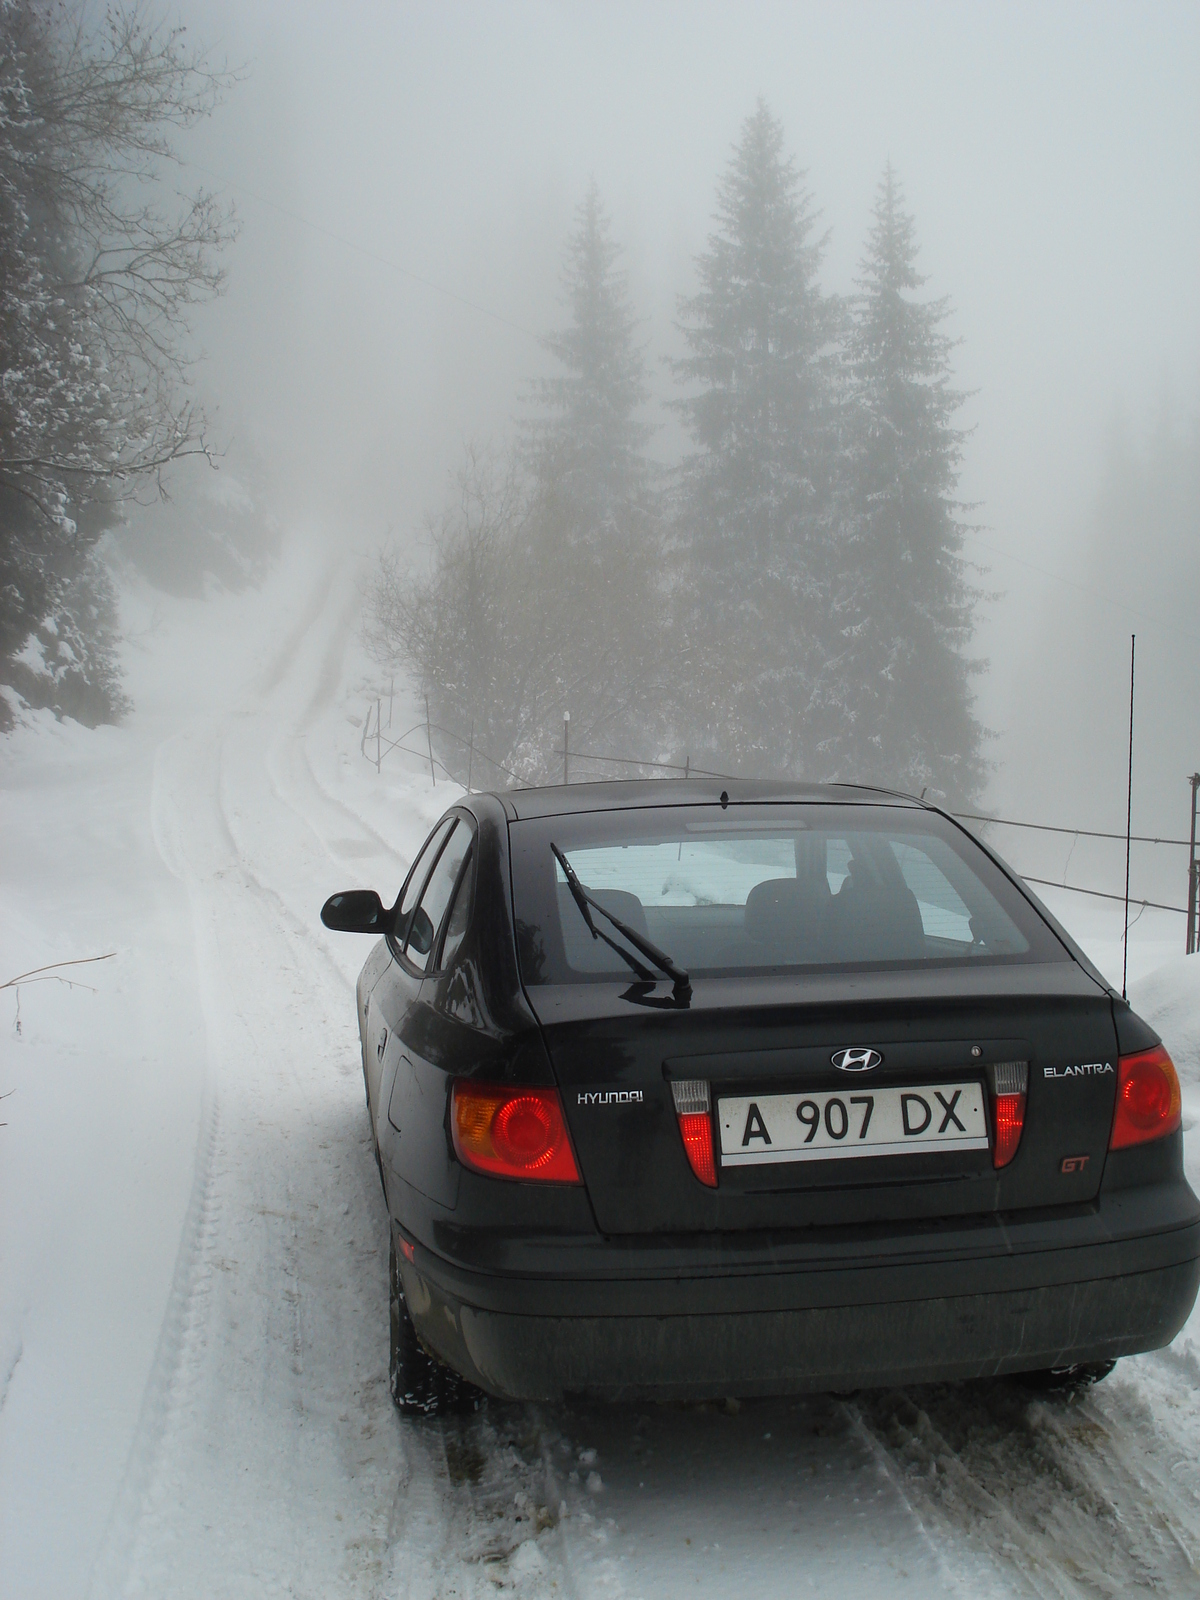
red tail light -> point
(1149, 1105)
(695, 1127)
(1011, 1079)
(512, 1133)
(1010, 1121)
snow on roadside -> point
(1169, 999)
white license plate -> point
(837, 1124)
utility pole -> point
(1193, 872)
(566, 747)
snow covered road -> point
(193, 1314)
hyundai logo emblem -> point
(855, 1060)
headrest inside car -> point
(620, 902)
(781, 909)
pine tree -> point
(542, 597)
(755, 492)
(588, 442)
(593, 534)
(896, 694)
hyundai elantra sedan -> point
(682, 1090)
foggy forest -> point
(403, 402)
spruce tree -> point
(896, 691)
(592, 535)
(755, 492)
(588, 441)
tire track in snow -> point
(143, 1464)
(273, 1402)
(306, 781)
(769, 1497)
(321, 698)
(10, 1367)
(326, 630)
(481, 1509)
(287, 755)
(298, 926)
(259, 1363)
(116, 1549)
(1070, 1495)
(329, 673)
(284, 660)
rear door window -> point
(460, 912)
(416, 879)
(426, 920)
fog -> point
(184, 1150)
(406, 176)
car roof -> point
(563, 799)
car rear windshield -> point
(766, 887)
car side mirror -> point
(356, 911)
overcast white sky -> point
(1050, 153)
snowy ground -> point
(193, 1394)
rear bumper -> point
(920, 1311)
(836, 1347)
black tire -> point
(422, 1386)
(1066, 1380)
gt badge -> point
(1073, 1163)
(856, 1060)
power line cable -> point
(1071, 583)
(1100, 894)
(1079, 833)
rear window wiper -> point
(682, 983)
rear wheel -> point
(422, 1386)
(1066, 1380)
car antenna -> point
(1128, 821)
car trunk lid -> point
(770, 1044)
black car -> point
(681, 1090)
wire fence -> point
(385, 745)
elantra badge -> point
(855, 1060)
